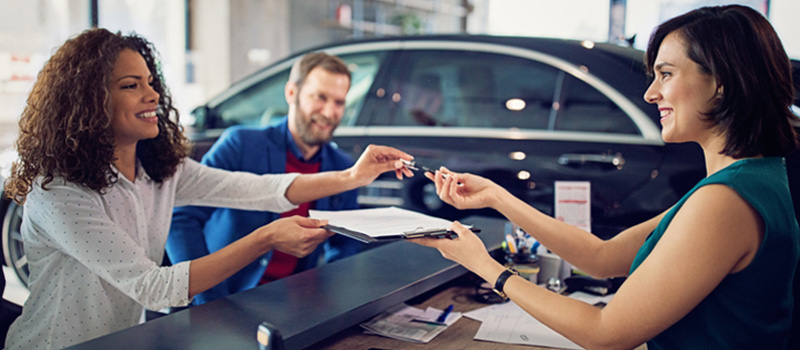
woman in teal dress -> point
(715, 270)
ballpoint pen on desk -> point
(444, 314)
(434, 317)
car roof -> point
(621, 67)
(562, 48)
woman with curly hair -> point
(102, 162)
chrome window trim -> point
(642, 121)
(651, 134)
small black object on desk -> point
(269, 337)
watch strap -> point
(501, 281)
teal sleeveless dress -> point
(750, 309)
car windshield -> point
(264, 103)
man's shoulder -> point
(250, 131)
(269, 134)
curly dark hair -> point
(65, 129)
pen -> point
(414, 166)
(512, 244)
(445, 313)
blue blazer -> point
(198, 231)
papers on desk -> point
(408, 323)
(508, 323)
(382, 224)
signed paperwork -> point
(408, 323)
(509, 323)
(378, 224)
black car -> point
(524, 112)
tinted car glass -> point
(257, 104)
(458, 88)
(264, 103)
(363, 67)
(453, 88)
(585, 109)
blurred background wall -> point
(208, 44)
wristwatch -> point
(501, 281)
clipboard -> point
(420, 233)
(385, 224)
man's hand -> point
(377, 160)
(374, 161)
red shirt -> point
(282, 264)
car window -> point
(458, 88)
(256, 105)
(264, 103)
(363, 67)
(487, 90)
(585, 109)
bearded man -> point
(299, 143)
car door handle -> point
(577, 159)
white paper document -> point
(591, 299)
(508, 323)
(402, 322)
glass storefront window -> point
(29, 32)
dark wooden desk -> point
(459, 336)
(307, 307)
(456, 337)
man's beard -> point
(305, 127)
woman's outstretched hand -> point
(467, 249)
(464, 190)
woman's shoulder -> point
(752, 174)
(58, 189)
